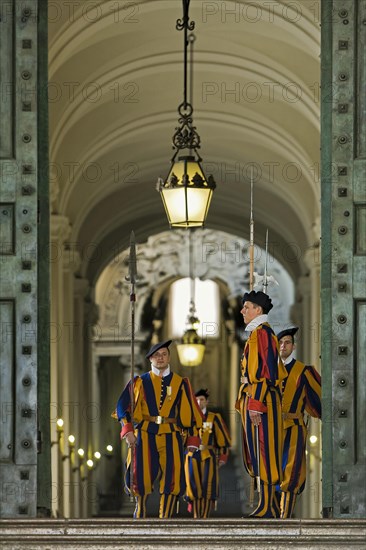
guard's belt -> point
(206, 447)
(159, 419)
(291, 416)
(249, 389)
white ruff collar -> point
(256, 322)
(157, 371)
(289, 358)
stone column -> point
(307, 332)
(86, 401)
(96, 413)
(124, 377)
(308, 351)
(81, 287)
(234, 375)
(312, 259)
(60, 231)
(71, 263)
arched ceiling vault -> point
(115, 83)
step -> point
(183, 534)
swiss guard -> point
(259, 403)
(164, 406)
(301, 394)
(202, 466)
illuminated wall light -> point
(90, 463)
(313, 439)
(81, 453)
(71, 443)
(60, 424)
(97, 455)
(60, 431)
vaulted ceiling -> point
(116, 79)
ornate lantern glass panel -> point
(192, 347)
(190, 351)
(186, 194)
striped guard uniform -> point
(159, 446)
(302, 393)
(202, 466)
(262, 376)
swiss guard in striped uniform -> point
(301, 393)
(202, 466)
(259, 403)
(164, 406)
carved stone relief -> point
(165, 257)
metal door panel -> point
(343, 243)
(18, 258)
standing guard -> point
(164, 406)
(301, 393)
(259, 403)
(202, 466)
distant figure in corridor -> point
(164, 406)
(301, 393)
(202, 466)
(259, 402)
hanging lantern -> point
(186, 193)
(191, 349)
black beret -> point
(260, 299)
(287, 332)
(157, 346)
(203, 392)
